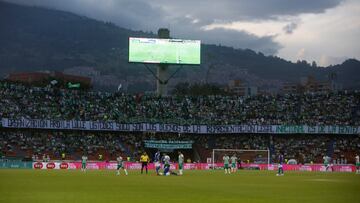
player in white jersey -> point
(357, 164)
(167, 171)
(181, 163)
(166, 165)
(120, 165)
(327, 162)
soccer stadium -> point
(53, 151)
(68, 136)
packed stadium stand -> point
(20, 101)
(311, 109)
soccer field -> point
(195, 186)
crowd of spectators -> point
(19, 101)
(302, 148)
(72, 144)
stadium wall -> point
(15, 164)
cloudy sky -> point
(325, 31)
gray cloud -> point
(289, 28)
(232, 38)
(231, 10)
(184, 18)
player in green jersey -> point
(83, 163)
(226, 163)
(181, 163)
(120, 165)
(233, 163)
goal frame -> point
(237, 150)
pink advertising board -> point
(187, 166)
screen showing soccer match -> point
(171, 51)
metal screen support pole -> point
(152, 72)
(172, 75)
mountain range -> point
(34, 38)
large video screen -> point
(171, 51)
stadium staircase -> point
(196, 155)
(204, 152)
(125, 149)
(272, 152)
(330, 148)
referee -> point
(144, 159)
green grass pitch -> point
(54, 186)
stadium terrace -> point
(20, 103)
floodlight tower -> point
(162, 69)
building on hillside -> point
(241, 88)
(310, 84)
(85, 71)
(46, 77)
(28, 77)
(109, 82)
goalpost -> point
(253, 156)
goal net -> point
(244, 156)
